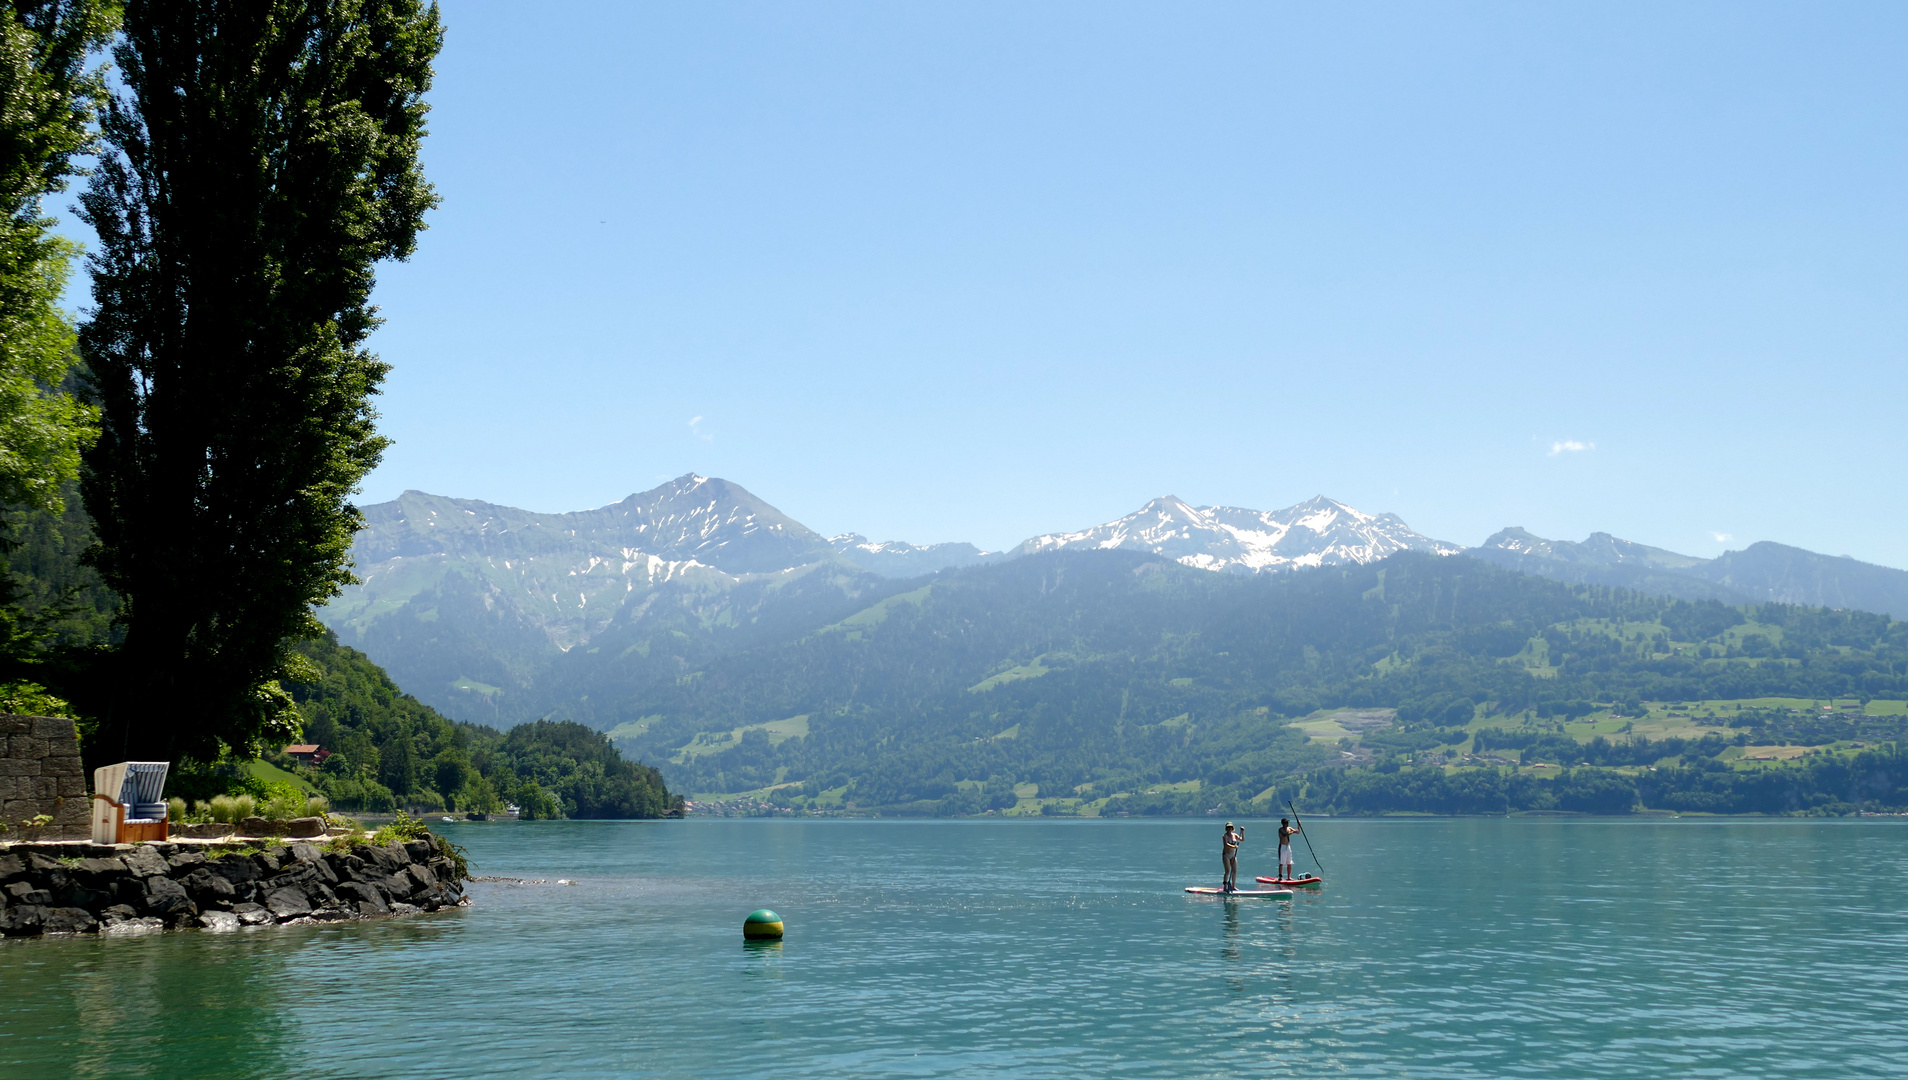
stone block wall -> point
(40, 773)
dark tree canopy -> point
(260, 158)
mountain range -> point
(496, 615)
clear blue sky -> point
(977, 271)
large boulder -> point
(182, 862)
(167, 898)
(289, 902)
(144, 862)
(25, 892)
(252, 914)
(22, 920)
(68, 920)
(218, 920)
(208, 889)
(365, 896)
(305, 826)
(99, 874)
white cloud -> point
(696, 429)
(1570, 446)
(1722, 538)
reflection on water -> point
(1477, 948)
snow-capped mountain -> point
(1318, 532)
(566, 575)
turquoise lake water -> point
(1438, 948)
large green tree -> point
(261, 157)
(48, 95)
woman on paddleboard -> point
(1229, 857)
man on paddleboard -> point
(1286, 829)
(1229, 857)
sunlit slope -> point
(1092, 673)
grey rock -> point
(255, 826)
(11, 866)
(21, 920)
(117, 913)
(288, 903)
(183, 862)
(98, 875)
(207, 888)
(296, 877)
(405, 909)
(387, 858)
(236, 869)
(305, 853)
(346, 866)
(144, 862)
(422, 880)
(219, 920)
(68, 920)
(419, 850)
(23, 892)
(79, 896)
(251, 914)
(305, 826)
(166, 897)
(332, 914)
(365, 895)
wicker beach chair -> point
(139, 811)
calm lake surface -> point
(1438, 948)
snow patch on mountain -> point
(1230, 539)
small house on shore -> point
(310, 754)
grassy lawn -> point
(272, 774)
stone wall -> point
(40, 773)
(78, 888)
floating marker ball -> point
(762, 924)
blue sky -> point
(979, 271)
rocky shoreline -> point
(78, 887)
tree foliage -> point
(48, 95)
(259, 159)
(389, 750)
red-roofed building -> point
(308, 754)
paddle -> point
(1307, 836)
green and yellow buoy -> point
(762, 924)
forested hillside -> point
(391, 750)
(1096, 675)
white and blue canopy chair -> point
(128, 806)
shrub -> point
(233, 808)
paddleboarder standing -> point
(1286, 829)
(1229, 857)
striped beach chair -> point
(139, 810)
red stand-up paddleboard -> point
(1309, 881)
(1250, 894)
